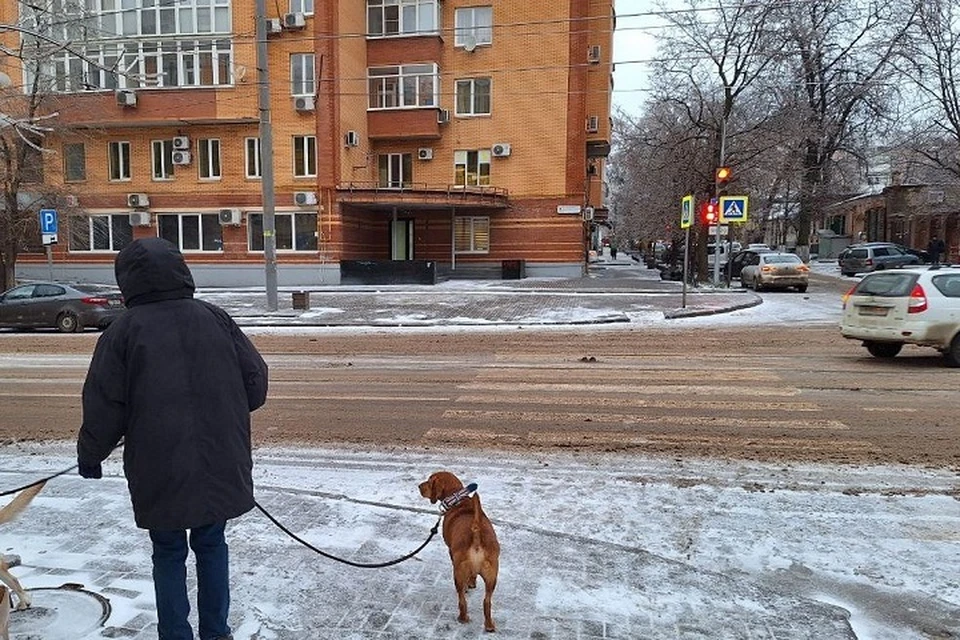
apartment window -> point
(294, 231)
(473, 97)
(398, 17)
(474, 25)
(302, 76)
(412, 85)
(191, 231)
(74, 162)
(252, 158)
(396, 170)
(100, 233)
(471, 234)
(472, 168)
(162, 159)
(208, 157)
(118, 160)
(302, 6)
(304, 156)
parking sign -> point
(48, 221)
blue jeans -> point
(170, 582)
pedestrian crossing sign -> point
(686, 212)
(733, 208)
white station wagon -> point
(888, 309)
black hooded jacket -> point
(176, 379)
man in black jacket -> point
(176, 379)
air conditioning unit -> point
(305, 198)
(588, 213)
(126, 98)
(443, 116)
(140, 219)
(294, 21)
(593, 124)
(274, 26)
(181, 143)
(71, 200)
(500, 150)
(137, 200)
(351, 139)
(231, 216)
(304, 103)
(425, 153)
(181, 157)
(593, 54)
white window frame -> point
(165, 159)
(397, 164)
(471, 225)
(91, 235)
(209, 161)
(470, 84)
(410, 86)
(119, 170)
(251, 158)
(212, 220)
(303, 81)
(306, 166)
(461, 158)
(281, 218)
(466, 23)
(402, 17)
(302, 6)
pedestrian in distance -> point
(935, 249)
(175, 379)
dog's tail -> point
(475, 525)
(18, 504)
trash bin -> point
(301, 299)
(513, 269)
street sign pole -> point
(686, 220)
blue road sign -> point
(733, 208)
(48, 221)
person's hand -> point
(91, 471)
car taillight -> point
(868, 262)
(94, 300)
(847, 295)
(918, 300)
(766, 269)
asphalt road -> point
(780, 393)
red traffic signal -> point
(710, 212)
(723, 174)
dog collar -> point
(457, 497)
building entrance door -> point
(401, 240)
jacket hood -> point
(152, 269)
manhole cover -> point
(60, 613)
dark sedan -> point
(68, 308)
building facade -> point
(447, 136)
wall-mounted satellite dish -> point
(469, 42)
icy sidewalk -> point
(593, 547)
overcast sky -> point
(634, 40)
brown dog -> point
(8, 513)
(473, 545)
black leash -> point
(41, 481)
(360, 565)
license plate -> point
(873, 311)
(114, 303)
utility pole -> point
(266, 157)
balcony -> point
(154, 107)
(422, 196)
(403, 124)
(403, 49)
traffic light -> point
(710, 212)
(723, 174)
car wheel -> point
(883, 349)
(68, 322)
(880, 267)
(848, 274)
(952, 355)
(757, 286)
(802, 288)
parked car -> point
(775, 270)
(742, 258)
(65, 307)
(876, 256)
(908, 306)
(726, 250)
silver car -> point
(68, 308)
(775, 270)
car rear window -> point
(96, 289)
(782, 259)
(858, 253)
(886, 285)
